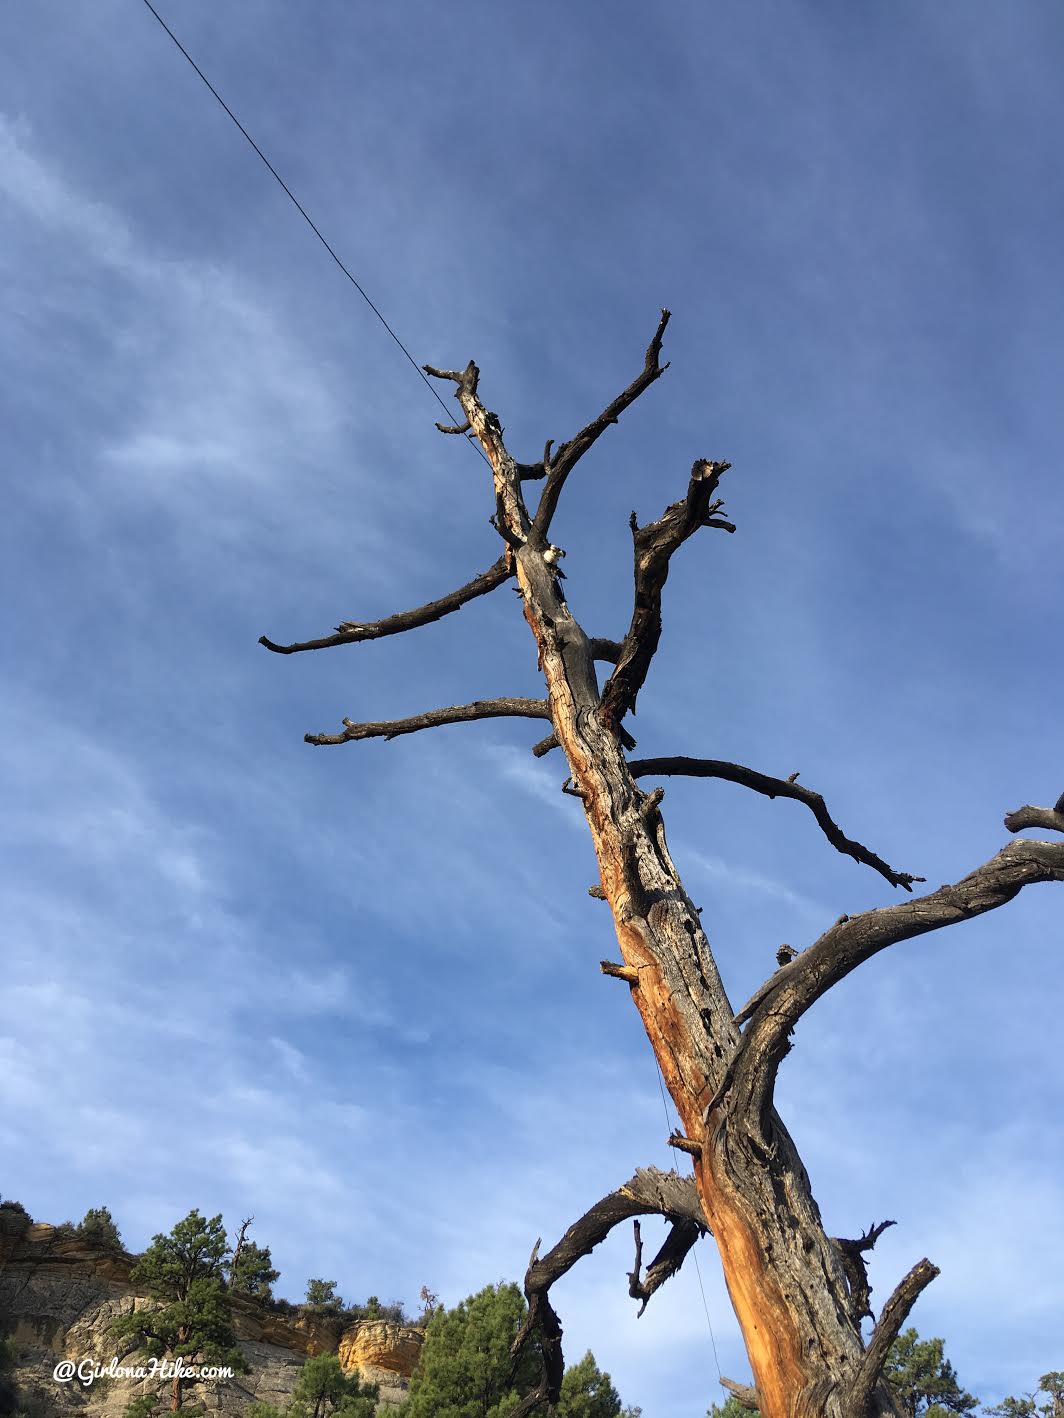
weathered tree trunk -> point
(799, 1294)
(784, 1275)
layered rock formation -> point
(59, 1296)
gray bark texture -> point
(799, 1294)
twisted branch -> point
(853, 1263)
(674, 1251)
(776, 1007)
(773, 788)
(649, 1191)
(654, 546)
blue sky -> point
(254, 977)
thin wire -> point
(694, 1252)
(307, 218)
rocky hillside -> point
(58, 1296)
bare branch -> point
(654, 546)
(1049, 818)
(619, 972)
(542, 1316)
(853, 1263)
(745, 1394)
(674, 1251)
(456, 714)
(350, 632)
(454, 427)
(467, 379)
(684, 1144)
(772, 788)
(608, 650)
(568, 455)
(776, 1007)
(648, 1192)
(895, 1313)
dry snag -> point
(799, 1294)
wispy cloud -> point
(747, 881)
(338, 961)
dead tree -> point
(799, 1294)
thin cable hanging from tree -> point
(305, 215)
(694, 1252)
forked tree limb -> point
(776, 1007)
(772, 788)
(894, 1314)
(350, 632)
(601, 649)
(654, 546)
(853, 1261)
(649, 1192)
(565, 458)
(674, 1251)
(548, 1391)
(434, 718)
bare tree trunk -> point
(799, 1294)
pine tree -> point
(324, 1389)
(588, 1392)
(184, 1273)
(1051, 1385)
(923, 1380)
(98, 1228)
(321, 1295)
(465, 1369)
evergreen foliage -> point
(321, 1295)
(324, 1389)
(465, 1367)
(8, 1390)
(252, 1272)
(588, 1392)
(923, 1380)
(98, 1228)
(1050, 1387)
(184, 1273)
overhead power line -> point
(305, 215)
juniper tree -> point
(799, 1294)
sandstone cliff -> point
(58, 1296)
